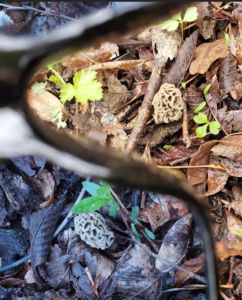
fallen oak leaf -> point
(206, 54)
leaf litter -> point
(118, 113)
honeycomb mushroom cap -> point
(93, 230)
(168, 104)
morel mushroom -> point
(168, 104)
(93, 230)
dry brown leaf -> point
(194, 265)
(45, 183)
(227, 74)
(42, 104)
(196, 176)
(225, 250)
(169, 208)
(216, 178)
(233, 225)
(165, 45)
(174, 245)
(81, 60)
(237, 270)
(232, 167)
(182, 62)
(206, 54)
(236, 91)
(116, 95)
(206, 25)
(231, 148)
(237, 192)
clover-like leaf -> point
(200, 107)
(191, 14)
(54, 113)
(214, 127)
(201, 118)
(89, 204)
(38, 88)
(135, 232)
(177, 17)
(183, 85)
(170, 25)
(202, 131)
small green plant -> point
(38, 88)
(239, 232)
(200, 107)
(100, 196)
(56, 113)
(167, 146)
(183, 85)
(206, 89)
(191, 15)
(201, 131)
(227, 39)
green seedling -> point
(206, 89)
(239, 232)
(38, 88)
(200, 107)
(183, 85)
(56, 113)
(191, 15)
(227, 39)
(201, 131)
(167, 146)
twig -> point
(152, 243)
(118, 200)
(89, 275)
(186, 137)
(230, 280)
(58, 230)
(212, 166)
(224, 296)
(131, 51)
(180, 160)
(192, 275)
(143, 199)
(95, 63)
(188, 81)
(145, 110)
(221, 8)
(25, 7)
(222, 11)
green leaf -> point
(91, 187)
(183, 85)
(135, 232)
(201, 118)
(206, 89)
(61, 124)
(170, 25)
(89, 204)
(150, 234)
(202, 131)
(138, 222)
(114, 209)
(67, 92)
(239, 232)
(214, 127)
(55, 78)
(227, 39)
(86, 88)
(54, 113)
(104, 192)
(135, 212)
(177, 17)
(200, 107)
(167, 146)
(38, 88)
(191, 14)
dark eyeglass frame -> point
(22, 133)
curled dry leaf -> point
(46, 184)
(233, 224)
(205, 23)
(80, 60)
(42, 104)
(232, 167)
(227, 74)
(230, 147)
(236, 91)
(182, 62)
(196, 176)
(206, 54)
(216, 178)
(194, 265)
(174, 245)
(194, 98)
(169, 208)
(225, 250)
(165, 45)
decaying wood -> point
(146, 109)
(186, 137)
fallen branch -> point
(145, 110)
(186, 137)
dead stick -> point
(145, 110)
(222, 11)
(186, 137)
(192, 275)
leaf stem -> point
(182, 31)
(57, 74)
